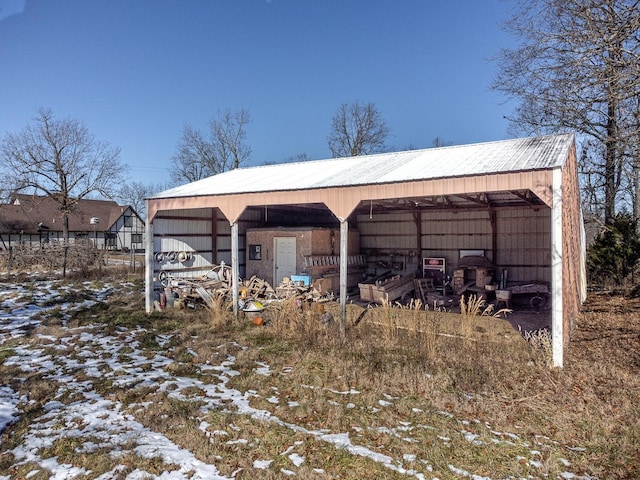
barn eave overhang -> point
(524, 187)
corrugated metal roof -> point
(516, 155)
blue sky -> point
(136, 71)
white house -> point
(38, 219)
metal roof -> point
(517, 155)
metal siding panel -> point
(182, 226)
(223, 243)
(201, 227)
(251, 215)
(224, 257)
(187, 213)
(186, 243)
(523, 244)
(224, 227)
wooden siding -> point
(124, 234)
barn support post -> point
(344, 242)
(417, 218)
(557, 325)
(148, 262)
(214, 234)
(234, 268)
(493, 219)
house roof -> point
(517, 155)
(30, 214)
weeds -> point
(476, 306)
(220, 312)
(407, 382)
(288, 318)
(542, 343)
(389, 321)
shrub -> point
(613, 257)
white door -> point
(285, 258)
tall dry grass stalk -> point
(413, 319)
(297, 320)
(430, 332)
(388, 318)
(422, 324)
(470, 308)
(541, 342)
(286, 317)
(475, 306)
(220, 312)
(412, 324)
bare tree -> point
(135, 193)
(577, 68)
(440, 142)
(199, 156)
(228, 137)
(357, 130)
(194, 159)
(298, 157)
(62, 160)
(633, 168)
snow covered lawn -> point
(170, 400)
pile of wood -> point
(288, 289)
(212, 286)
(256, 288)
(216, 287)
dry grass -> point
(467, 365)
(540, 340)
(405, 381)
(219, 311)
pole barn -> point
(514, 203)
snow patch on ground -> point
(90, 416)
